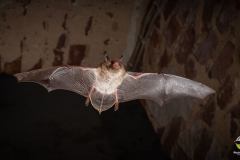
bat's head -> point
(113, 64)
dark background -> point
(36, 124)
(194, 39)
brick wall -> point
(198, 40)
(37, 34)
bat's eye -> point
(115, 65)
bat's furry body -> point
(110, 84)
(107, 80)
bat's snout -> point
(116, 65)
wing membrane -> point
(73, 78)
(159, 88)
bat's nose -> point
(115, 65)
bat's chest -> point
(108, 84)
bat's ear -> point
(107, 59)
(121, 58)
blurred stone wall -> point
(199, 40)
(36, 34)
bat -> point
(110, 84)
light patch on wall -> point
(131, 38)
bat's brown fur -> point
(108, 77)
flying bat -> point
(111, 84)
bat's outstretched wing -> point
(160, 88)
(72, 78)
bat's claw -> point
(87, 101)
(116, 106)
(161, 73)
(67, 66)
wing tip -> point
(17, 77)
(207, 91)
(212, 91)
(20, 76)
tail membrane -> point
(102, 102)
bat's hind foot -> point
(116, 106)
(87, 101)
(116, 103)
